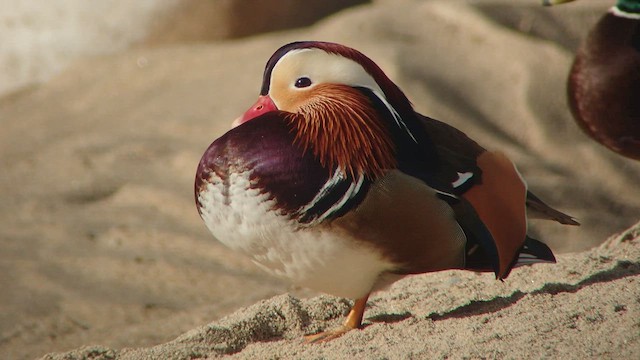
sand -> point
(585, 307)
(101, 242)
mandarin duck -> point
(604, 80)
(332, 181)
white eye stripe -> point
(322, 67)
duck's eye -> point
(303, 82)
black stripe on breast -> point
(338, 195)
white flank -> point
(319, 257)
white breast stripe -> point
(351, 192)
(337, 177)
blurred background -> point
(106, 108)
(41, 39)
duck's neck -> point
(629, 9)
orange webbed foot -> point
(327, 335)
(354, 320)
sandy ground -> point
(585, 307)
(101, 242)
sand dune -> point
(101, 242)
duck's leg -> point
(354, 320)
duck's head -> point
(338, 101)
